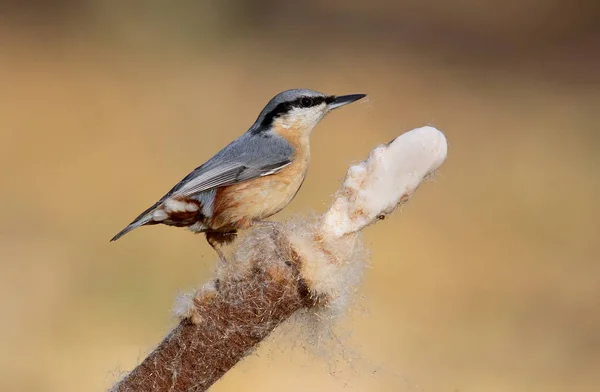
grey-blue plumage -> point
(275, 145)
(243, 159)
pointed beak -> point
(344, 100)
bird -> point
(251, 178)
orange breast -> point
(237, 206)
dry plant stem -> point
(279, 269)
(230, 321)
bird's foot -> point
(220, 253)
(217, 239)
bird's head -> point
(299, 110)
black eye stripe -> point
(306, 102)
(285, 107)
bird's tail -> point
(143, 219)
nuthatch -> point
(252, 178)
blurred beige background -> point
(488, 280)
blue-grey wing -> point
(248, 157)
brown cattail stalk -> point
(229, 320)
(279, 269)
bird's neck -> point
(297, 138)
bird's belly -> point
(237, 206)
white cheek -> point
(306, 118)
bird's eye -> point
(306, 102)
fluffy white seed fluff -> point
(331, 269)
(375, 187)
(184, 303)
(332, 256)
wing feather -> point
(227, 174)
(247, 157)
(250, 156)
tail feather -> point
(143, 219)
